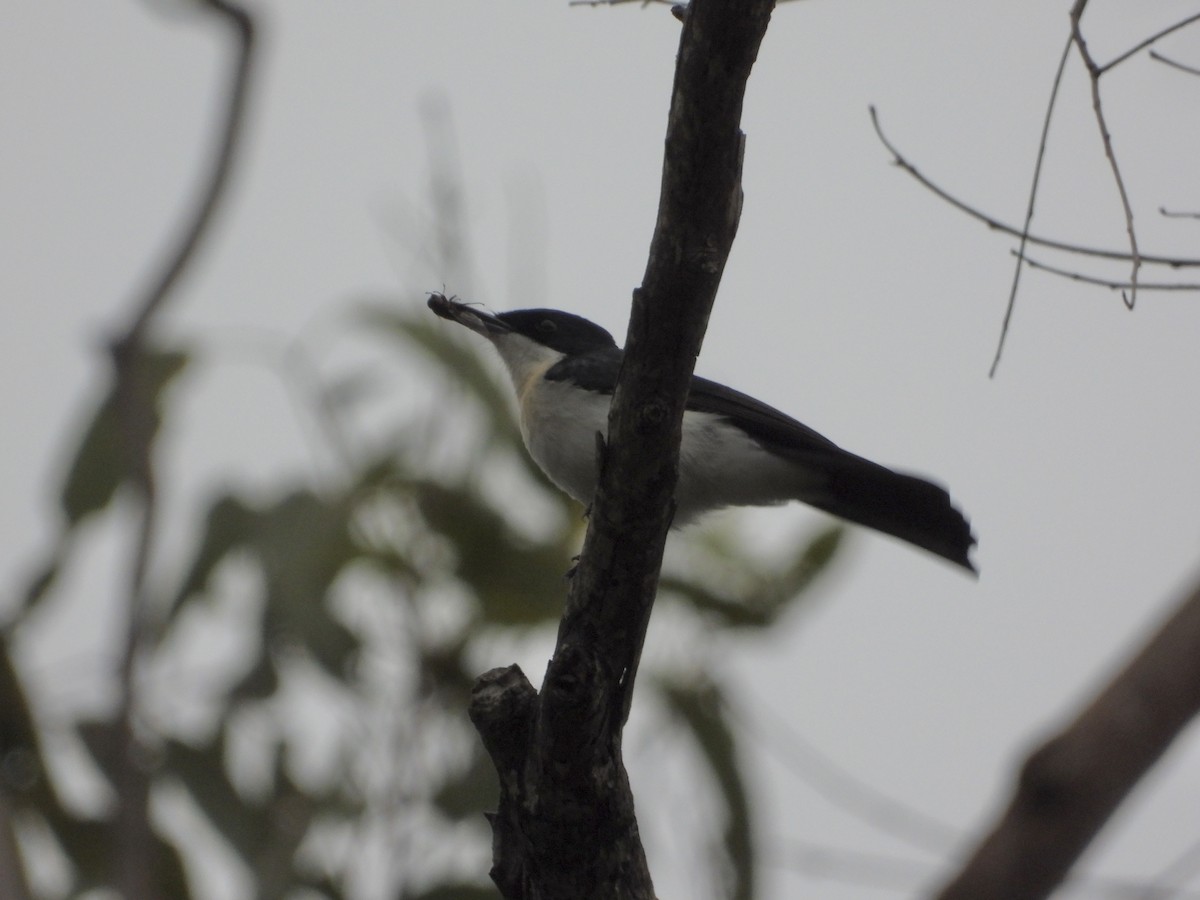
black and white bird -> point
(735, 451)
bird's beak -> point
(472, 317)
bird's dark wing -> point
(844, 484)
(767, 425)
(597, 371)
(593, 371)
(840, 482)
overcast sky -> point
(853, 300)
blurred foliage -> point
(386, 585)
(697, 701)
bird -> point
(735, 450)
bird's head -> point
(560, 332)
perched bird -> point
(735, 451)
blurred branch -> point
(566, 825)
(13, 885)
(1071, 785)
(222, 165)
(22, 778)
(132, 835)
(819, 862)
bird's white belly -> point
(720, 465)
(559, 425)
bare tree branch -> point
(1142, 45)
(134, 846)
(1158, 57)
(1104, 282)
(1033, 189)
(1174, 262)
(1178, 214)
(1094, 72)
(1070, 786)
(565, 827)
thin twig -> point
(1094, 73)
(1177, 214)
(1033, 189)
(1104, 282)
(995, 224)
(1142, 45)
(1158, 57)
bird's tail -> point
(904, 506)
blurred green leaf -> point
(202, 772)
(444, 673)
(518, 582)
(44, 577)
(463, 362)
(87, 843)
(102, 461)
(170, 877)
(228, 526)
(699, 704)
(301, 544)
(260, 681)
(739, 593)
(100, 738)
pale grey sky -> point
(853, 300)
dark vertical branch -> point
(1070, 786)
(566, 825)
(133, 839)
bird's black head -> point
(564, 332)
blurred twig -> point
(133, 844)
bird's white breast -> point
(719, 465)
(559, 424)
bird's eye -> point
(546, 326)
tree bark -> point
(566, 827)
(1071, 785)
